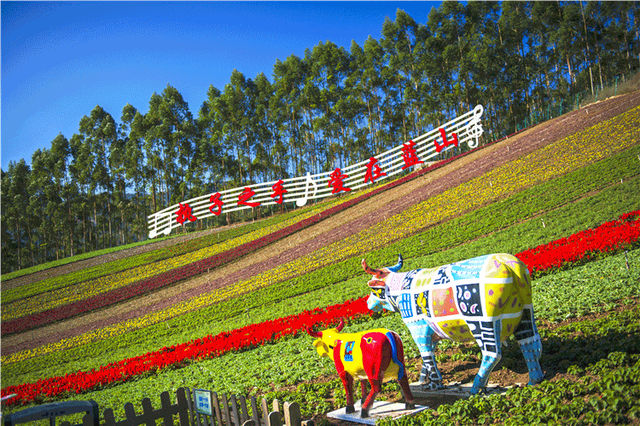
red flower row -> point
(604, 238)
(206, 347)
(607, 237)
(163, 279)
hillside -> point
(334, 228)
(559, 159)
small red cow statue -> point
(375, 355)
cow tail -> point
(394, 354)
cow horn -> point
(398, 265)
(370, 270)
(317, 334)
(340, 326)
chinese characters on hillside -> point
(421, 150)
(336, 181)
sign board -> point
(465, 128)
(203, 401)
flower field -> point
(570, 210)
(606, 238)
(539, 166)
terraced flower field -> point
(565, 201)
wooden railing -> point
(228, 410)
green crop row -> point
(36, 295)
(77, 258)
(148, 257)
(293, 361)
(273, 302)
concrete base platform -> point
(379, 410)
(455, 389)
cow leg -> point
(402, 371)
(347, 381)
(406, 393)
(487, 334)
(376, 386)
(530, 345)
(364, 389)
(423, 336)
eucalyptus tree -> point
(266, 133)
(289, 79)
(612, 37)
(214, 148)
(328, 67)
(9, 258)
(403, 73)
(276, 114)
(99, 132)
(615, 41)
(80, 171)
(483, 61)
(44, 202)
(126, 161)
(367, 83)
(443, 64)
(18, 221)
(568, 41)
(233, 109)
(515, 36)
(169, 146)
(547, 61)
(64, 224)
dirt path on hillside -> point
(104, 258)
(337, 227)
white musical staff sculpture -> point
(466, 128)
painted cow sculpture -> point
(486, 299)
(373, 355)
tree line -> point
(330, 108)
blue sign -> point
(203, 401)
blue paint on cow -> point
(394, 354)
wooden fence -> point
(225, 410)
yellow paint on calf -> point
(331, 338)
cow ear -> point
(376, 284)
(317, 334)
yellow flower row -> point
(544, 164)
(90, 288)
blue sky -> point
(61, 59)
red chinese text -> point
(184, 213)
(445, 142)
(278, 191)
(217, 202)
(409, 155)
(336, 180)
(244, 197)
(373, 171)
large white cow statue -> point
(486, 299)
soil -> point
(334, 228)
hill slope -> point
(335, 228)
(357, 218)
(551, 181)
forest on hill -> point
(522, 60)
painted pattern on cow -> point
(486, 299)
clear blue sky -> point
(61, 59)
